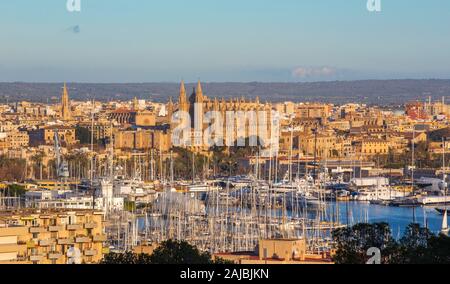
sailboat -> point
(445, 229)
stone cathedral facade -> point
(258, 121)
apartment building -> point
(142, 139)
(17, 139)
(102, 129)
(51, 237)
(370, 147)
(325, 144)
(313, 110)
(278, 251)
(46, 135)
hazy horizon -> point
(224, 82)
(385, 92)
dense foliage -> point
(126, 258)
(14, 190)
(12, 169)
(417, 246)
(169, 252)
(179, 252)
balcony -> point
(46, 243)
(90, 225)
(21, 258)
(54, 255)
(82, 240)
(90, 252)
(13, 231)
(65, 241)
(31, 244)
(55, 228)
(74, 227)
(9, 248)
(36, 257)
(99, 238)
(34, 230)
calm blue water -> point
(397, 217)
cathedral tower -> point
(65, 105)
(182, 102)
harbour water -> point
(397, 217)
(351, 213)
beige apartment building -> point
(51, 237)
(102, 128)
(313, 110)
(17, 139)
(326, 145)
(279, 251)
(46, 135)
(369, 147)
(142, 139)
(287, 108)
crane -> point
(62, 169)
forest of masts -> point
(225, 219)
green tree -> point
(417, 246)
(352, 243)
(438, 250)
(126, 258)
(169, 252)
(129, 206)
(38, 165)
(12, 169)
(14, 190)
(179, 252)
(413, 245)
(182, 163)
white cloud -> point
(307, 72)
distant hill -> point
(381, 92)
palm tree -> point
(37, 160)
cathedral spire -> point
(197, 94)
(199, 90)
(65, 104)
(170, 109)
(216, 104)
(183, 103)
(182, 93)
(135, 104)
(223, 104)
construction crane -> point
(62, 169)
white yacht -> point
(385, 193)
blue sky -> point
(223, 40)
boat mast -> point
(412, 170)
(290, 152)
(444, 220)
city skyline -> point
(231, 133)
(166, 41)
